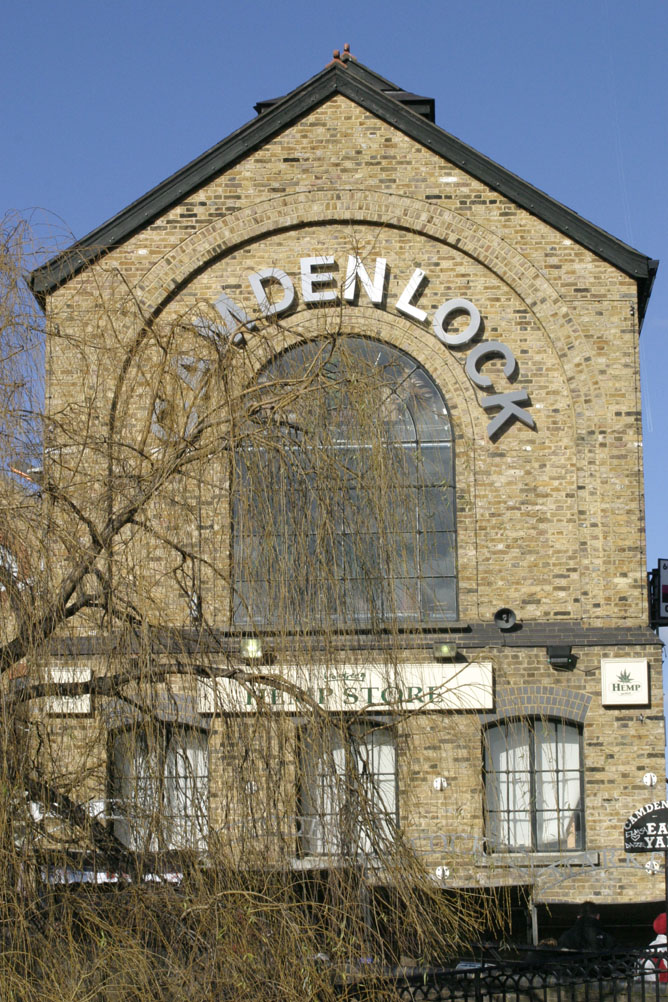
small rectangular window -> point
(348, 789)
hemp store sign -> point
(624, 682)
(353, 687)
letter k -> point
(510, 411)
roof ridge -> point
(352, 81)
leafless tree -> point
(130, 446)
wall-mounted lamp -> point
(250, 649)
(445, 651)
(505, 619)
(560, 657)
(440, 783)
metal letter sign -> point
(511, 405)
(647, 828)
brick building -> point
(503, 686)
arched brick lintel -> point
(352, 207)
(538, 701)
(348, 207)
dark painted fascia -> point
(476, 636)
(352, 81)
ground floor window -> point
(534, 786)
(348, 788)
(159, 785)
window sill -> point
(573, 857)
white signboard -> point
(352, 687)
(624, 682)
(68, 704)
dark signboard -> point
(658, 594)
(647, 828)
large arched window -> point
(343, 493)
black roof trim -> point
(373, 93)
(423, 106)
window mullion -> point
(532, 788)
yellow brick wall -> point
(549, 521)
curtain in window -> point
(557, 785)
(375, 758)
(509, 786)
(160, 789)
(349, 790)
(533, 783)
(185, 792)
(136, 791)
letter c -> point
(482, 352)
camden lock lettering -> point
(275, 293)
(647, 828)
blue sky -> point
(102, 100)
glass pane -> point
(570, 757)
(385, 794)
(438, 598)
(519, 830)
(376, 748)
(397, 420)
(495, 747)
(426, 405)
(400, 511)
(436, 509)
(437, 554)
(546, 744)
(405, 601)
(434, 466)
(508, 747)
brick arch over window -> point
(384, 210)
(538, 701)
(352, 207)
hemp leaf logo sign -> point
(624, 676)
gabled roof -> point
(423, 106)
(389, 103)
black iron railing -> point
(536, 975)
